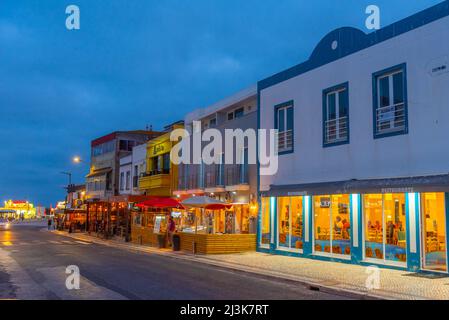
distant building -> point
(103, 181)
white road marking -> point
(82, 242)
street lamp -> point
(77, 159)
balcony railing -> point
(285, 141)
(390, 119)
(336, 130)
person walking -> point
(49, 224)
(171, 230)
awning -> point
(99, 172)
(161, 202)
(439, 183)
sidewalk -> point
(329, 277)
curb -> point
(311, 285)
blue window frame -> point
(284, 123)
(390, 107)
(336, 115)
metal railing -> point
(391, 118)
(285, 141)
(336, 130)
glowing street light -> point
(77, 159)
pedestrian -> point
(171, 230)
(49, 224)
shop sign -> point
(161, 148)
(157, 224)
(325, 202)
(398, 190)
(297, 194)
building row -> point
(363, 158)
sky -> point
(138, 63)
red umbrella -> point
(161, 203)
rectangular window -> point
(230, 116)
(336, 115)
(332, 224)
(166, 163)
(122, 181)
(213, 122)
(128, 180)
(265, 230)
(385, 227)
(284, 125)
(390, 102)
(239, 113)
(136, 177)
(433, 220)
(290, 223)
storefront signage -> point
(157, 224)
(297, 194)
(397, 190)
(160, 148)
(439, 66)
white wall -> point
(139, 159)
(424, 151)
(125, 167)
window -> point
(166, 163)
(109, 181)
(239, 113)
(265, 229)
(332, 224)
(230, 116)
(434, 231)
(290, 223)
(127, 145)
(128, 180)
(212, 122)
(136, 177)
(336, 115)
(284, 125)
(122, 181)
(390, 102)
(385, 227)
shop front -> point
(212, 226)
(397, 223)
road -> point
(33, 265)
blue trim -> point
(352, 40)
(308, 246)
(447, 226)
(413, 259)
(356, 252)
(325, 93)
(401, 67)
(290, 103)
(274, 241)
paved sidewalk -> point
(326, 276)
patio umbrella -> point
(161, 202)
(206, 203)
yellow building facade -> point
(161, 176)
(18, 209)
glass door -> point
(290, 223)
(433, 222)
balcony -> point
(336, 130)
(155, 180)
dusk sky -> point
(137, 63)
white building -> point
(125, 180)
(131, 168)
(363, 147)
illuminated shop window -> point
(290, 223)
(265, 225)
(332, 224)
(434, 231)
(385, 227)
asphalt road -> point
(33, 265)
